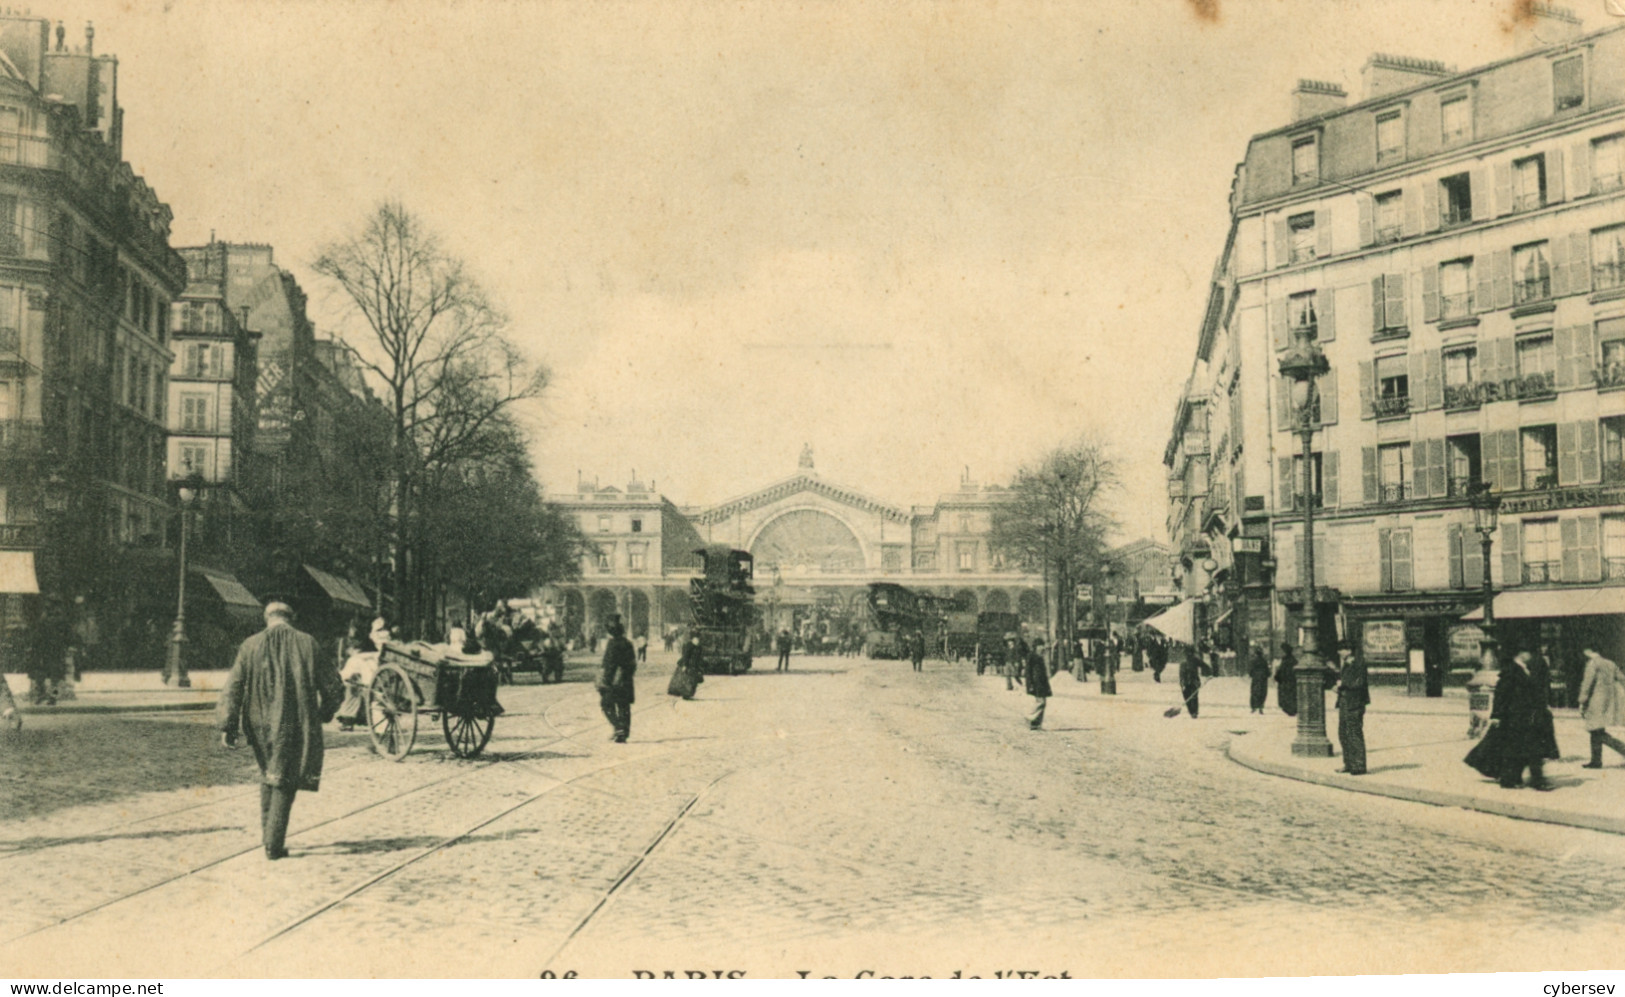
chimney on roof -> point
(1312, 98)
(90, 38)
(1385, 74)
(1537, 25)
(61, 36)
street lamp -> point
(1302, 365)
(176, 664)
(1481, 687)
(1108, 671)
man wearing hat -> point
(1353, 696)
(280, 691)
(615, 681)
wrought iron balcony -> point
(1452, 306)
(1610, 375)
(1528, 202)
(1607, 275)
(1535, 572)
(1539, 479)
(1389, 494)
(1607, 183)
(1452, 217)
(1533, 289)
(1462, 396)
(1392, 405)
(1302, 254)
(1613, 472)
(1463, 487)
(1389, 233)
(1613, 567)
(1539, 384)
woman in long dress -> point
(685, 680)
(1258, 669)
(1286, 677)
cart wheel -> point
(392, 713)
(466, 736)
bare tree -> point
(439, 352)
(1055, 520)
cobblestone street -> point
(848, 815)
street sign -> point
(1086, 593)
(1247, 545)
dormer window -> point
(1568, 83)
(1305, 160)
(1390, 136)
(1456, 118)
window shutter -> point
(1458, 570)
(1554, 176)
(1323, 233)
(1325, 317)
(1503, 189)
(1484, 293)
(1368, 475)
(1394, 304)
(1580, 169)
(1413, 384)
(1283, 405)
(1501, 263)
(1563, 345)
(1368, 224)
(1385, 558)
(1489, 460)
(1590, 542)
(1286, 482)
(1419, 469)
(1472, 558)
(1511, 552)
(1379, 305)
(1399, 553)
(1430, 207)
(1433, 379)
(1278, 336)
(1506, 358)
(1587, 454)
(1568, 453)
(1569, 530)
(1560, 267)
(1328, 480)
(1579, 263)
(1327, 386)
(1511, 458)
(1430, 294)
(1479, 192)
(1437, 483)
(1368, 389)
(1584, 354)
(1283, 244)
(1411, 216)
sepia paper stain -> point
(1206, 10)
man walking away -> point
(614, 684)
(1353, 696)
(1190, 677)
(1037, 682)
(1602, 704)
(783, 645)
(1258, 670)
(916, 650)
(279, 693)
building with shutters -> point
(1455, 243)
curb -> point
(32, 710)
(1438, 798)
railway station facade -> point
(817, 545)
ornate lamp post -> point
(1481, 687)
(175, 666)
(1302, 365)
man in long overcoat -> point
(1602, 704)
(1190, 677)
(615, 681)
(1258, 671)
(1353, 696)
(280, 691)
(1036, 677)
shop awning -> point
(17, 573)
(1177, 622)
(239, 601)
(339, 589)
(1547, 603)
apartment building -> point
(1455, 244)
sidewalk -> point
(1414, 750)
(126, 692)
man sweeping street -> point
(280, 691)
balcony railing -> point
(1613, 472)
(1607, 183)
(1391, 493)
(1392, 405)
(1451, 217)
(1539, 479)
(1535, 572)
(1613, 567)
(1460, 396)
(1302, 254)
(1610, 375)
(1528, 202)
(1608, 274)
(1533, 289)
(1539, 384)
(1462, 487)
(19, 535)
(1453, 306)
(1389, 233)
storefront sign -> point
(1464, 641)
(1247, 545)
(1563, 498)
(1383, 640)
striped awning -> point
(1540, 604)
(339, 589)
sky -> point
(919, 237)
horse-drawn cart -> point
(429, 679)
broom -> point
(1174, 711)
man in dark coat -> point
(1036, 677)
(1190, 677)
(615, 681)
(280, 691)
(783, 646)
(1258, 671)
(1527, 739)
(1286, 677)
(1353, 696)
(1158, 652)
(916, 650)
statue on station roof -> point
(806, 463)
